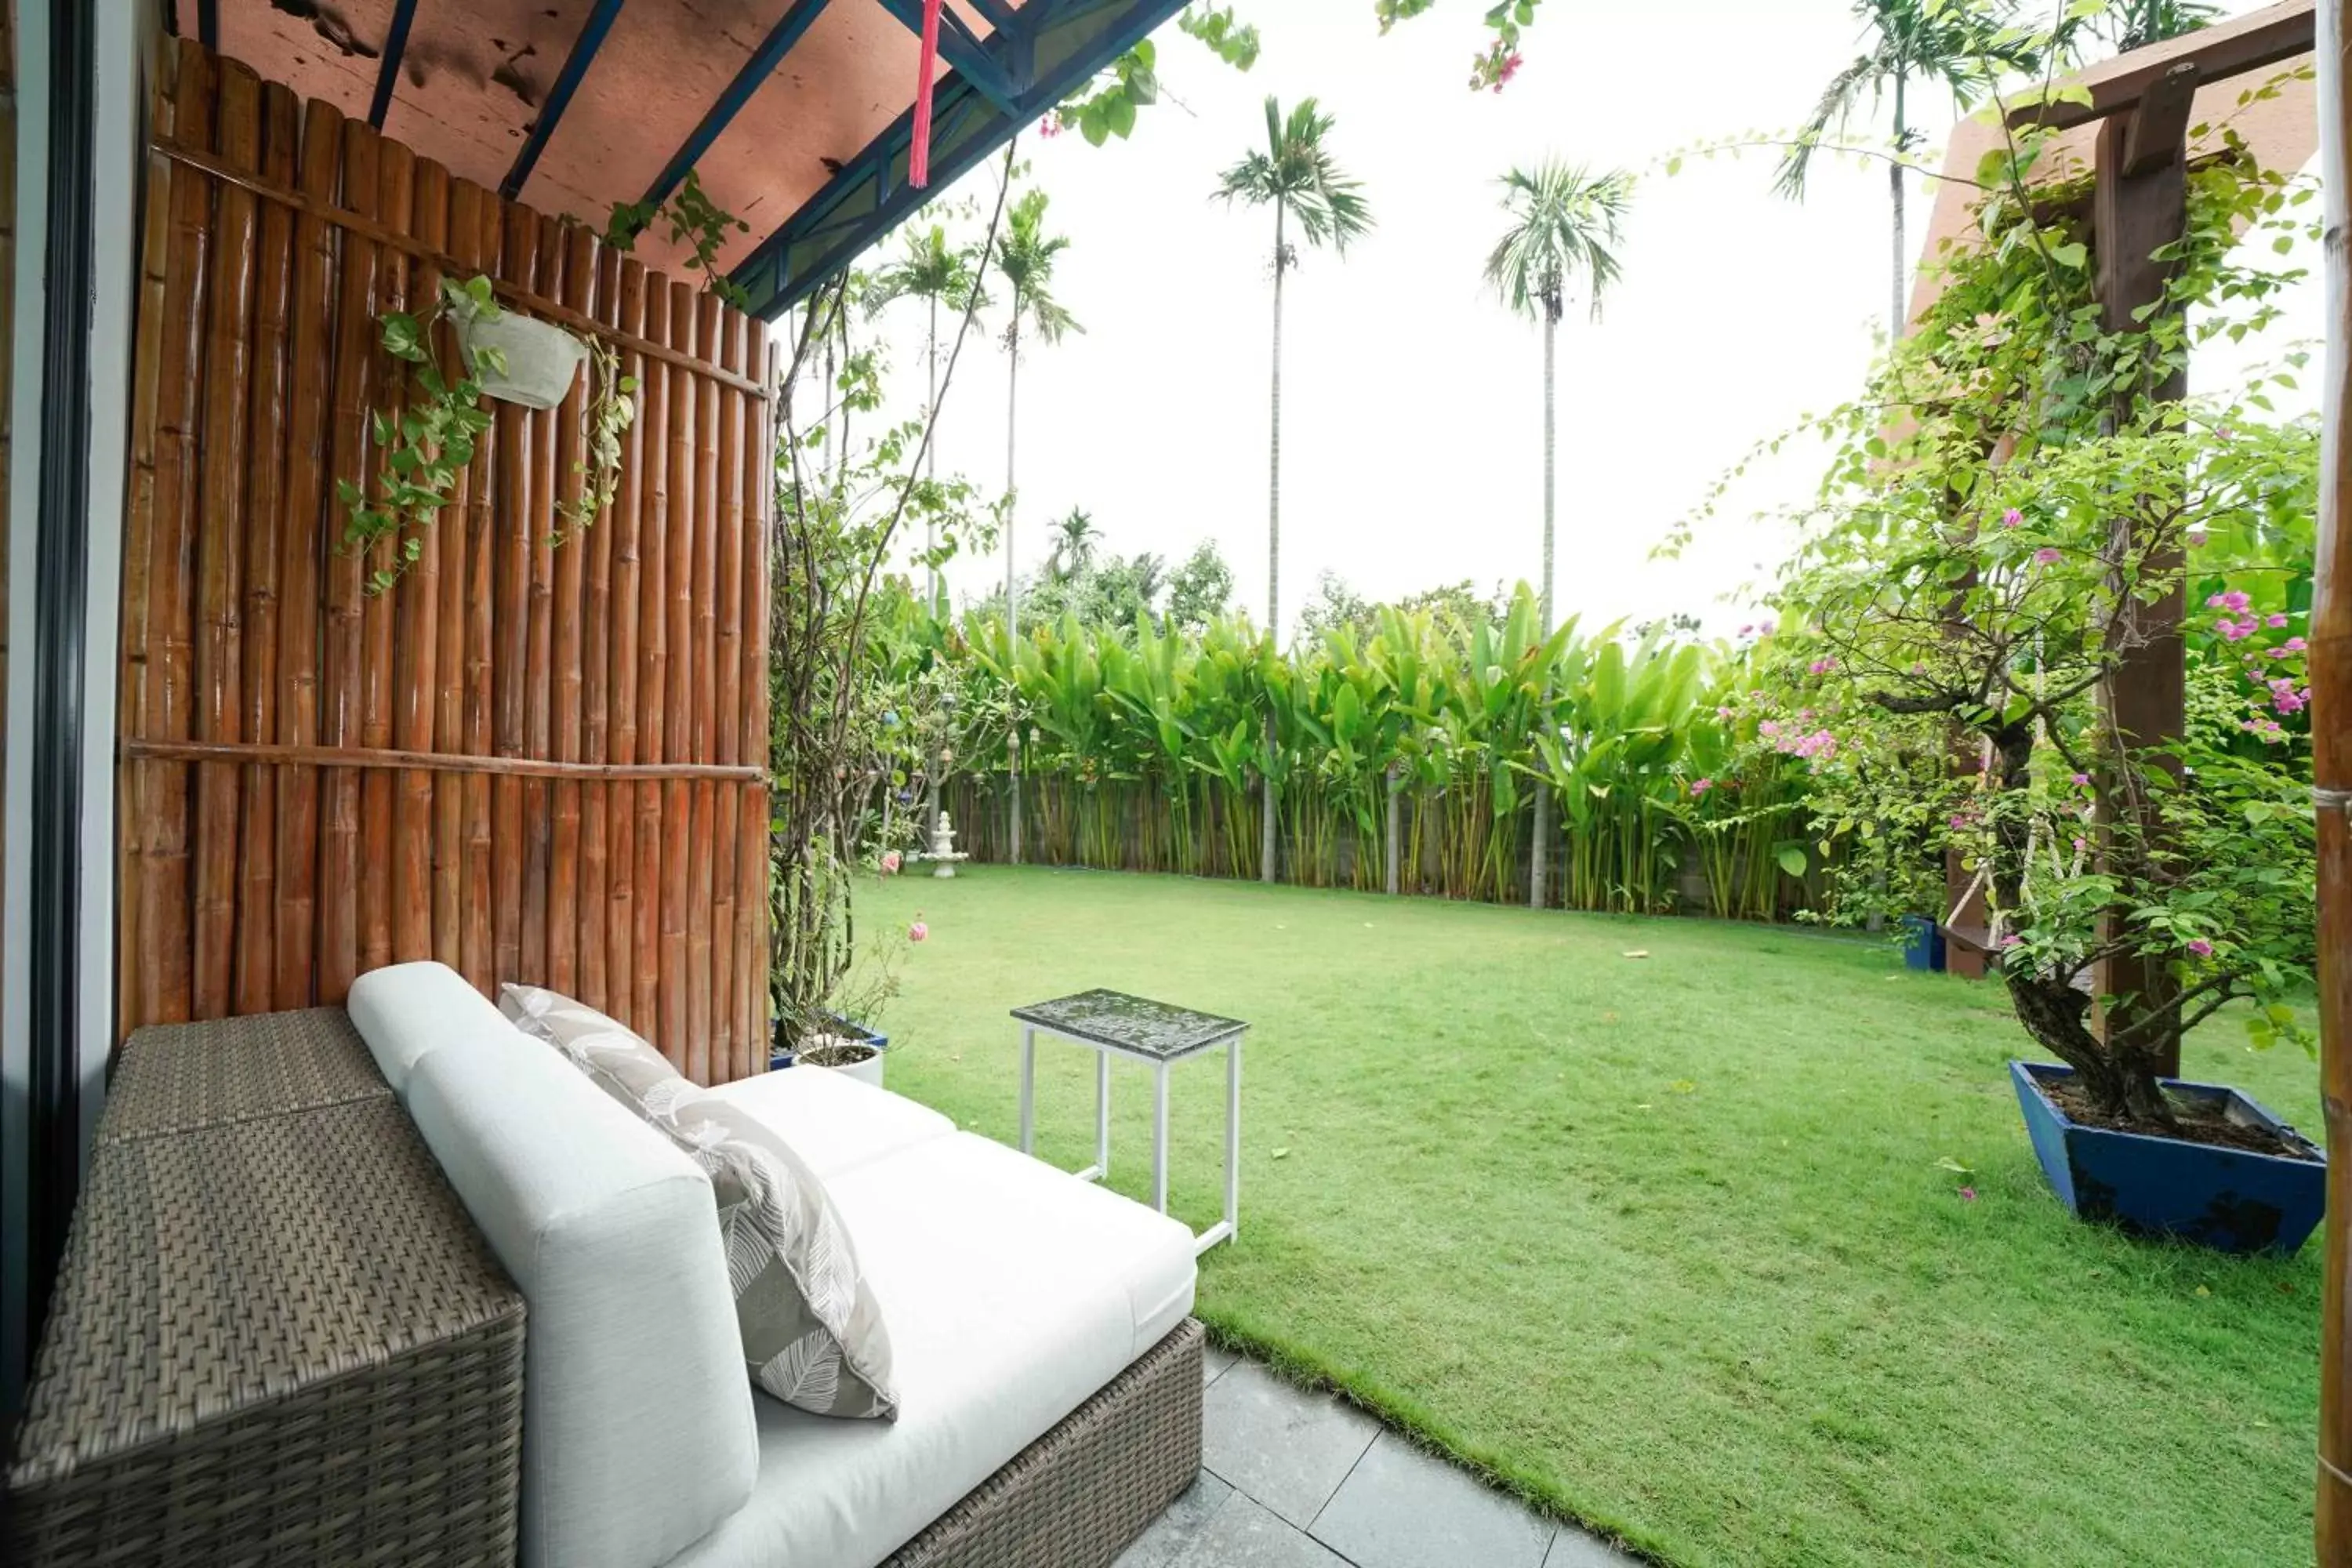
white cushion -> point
(408, 1011)
(637, 1432)
(1013, 1293)
(833, 1122)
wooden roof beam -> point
(2266, 38)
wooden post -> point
(2139, 205)
(2331, 736)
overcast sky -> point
(1412, 430)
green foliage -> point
(1296, 175)
(2004, 509)
(1107, 105)
(1493, 67)
(695, 221)
(426, 444)
(1230, 40)
(1566, 221)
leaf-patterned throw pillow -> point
(618, 1061)
(813, 1332)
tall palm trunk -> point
(1539, 857)
(1011, 587)
(1898, 310)
(1266, 840)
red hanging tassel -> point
(918, 153)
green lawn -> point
(1662, 1242)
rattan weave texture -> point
(274, 1340)
(1077, 1496)
(172, 1077)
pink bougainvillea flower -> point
(1968, 1194)
(2234, 600)
(2276, 622)
(2046, 556)
(2229, 629)
(2012, 518)
(1050, 126)
(2295, 644)
(918, 932)
(890, 862)
(2201, 948)
(2290, 702)
(2222, 432)
(2080, 844)
(2012, 939)
(1821, 666)
(2082, 780)
(2196, 537)
(1700, 786)
(2213, 601)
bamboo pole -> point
(752, 867)
(624, 525)
(463, 226)
(568, 679)
(304, 539)
(138, 545)
(509, 626)
(2331, 734)
(356, 354)
(477, 946)
(730, 1040)
(165, 879)
(416, 672)
(652, 666)
(691, 1052)
(596, 705)
(707, 1044)
(255, 985)
(539, 672)
(396, 760)
(396, 196)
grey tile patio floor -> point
(1290, 1479)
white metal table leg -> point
(1233, 1137)
(1160, 1138)
(1028, 1086)
(1102, 1115)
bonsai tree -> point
(2008, 513)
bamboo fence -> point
(533, 758)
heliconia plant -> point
(1404, 758)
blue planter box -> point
(781, 1054)
(2232, 1200)
(1923, 943)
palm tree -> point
(936, 273)
(1294, 175)
(1025, 259)
(1074, 546)
(1959, 43)
(1565, 223)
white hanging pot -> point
(540, 358)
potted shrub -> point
(2019, 508)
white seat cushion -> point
(1013, 1292)
(835, 1123)
(637, 1432)
(406, 1011)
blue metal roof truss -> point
(1037, 57)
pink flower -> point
(2229, 629)
(1770, 729)
(1821, 666)
(2234, 600)
(2290, 702)
(1745, 629)
(2222, 433)
(1968, 1194)
(2295, 644)
(2012, 518)
(2197, 539)
(2276, 622)
(1764, 628)
(1050, 126)
(2012, 939)
(2201, 948)
(2081, 845)
(1724, 713)
(2082, 780)
(918, 932)
(1700, 786)
(890, 862)
(2213, 601)
(2046, 556)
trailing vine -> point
(695, 222)
(431, 442)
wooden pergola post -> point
(2139, 205)
(2331, 736)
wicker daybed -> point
(278, 1337)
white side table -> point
(1111, 1023)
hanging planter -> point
(517, 358)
